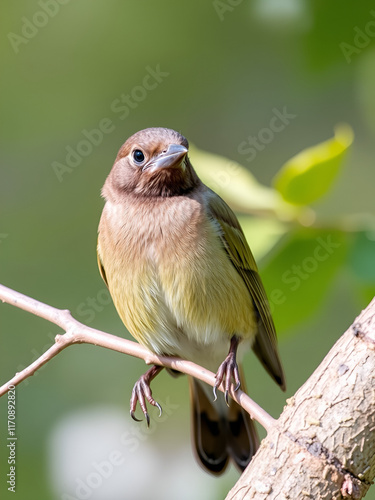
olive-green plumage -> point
(183, 278)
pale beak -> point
(171, 157)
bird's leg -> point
(142, 392)
(228, 369)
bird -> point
(185, 283)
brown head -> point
(152, 162)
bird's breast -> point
(170, 277)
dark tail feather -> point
(243, 440)
(208, 432)
(220, 433)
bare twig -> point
(77, 333)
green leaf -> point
(300, 272)
(361, 265)
(310, 174)
(238, 187)
(262, 234)
(362, 257)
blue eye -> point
(138, 156)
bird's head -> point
(152, 162)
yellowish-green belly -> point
(172, 293)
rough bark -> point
(323, 445)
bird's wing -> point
(101, 267)
(234, 242)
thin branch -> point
(78, 333)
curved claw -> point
(215, 394)
(228, 371)
(132, 414)
(142, 394)
(226, 398)
(159, 408)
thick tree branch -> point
(323, 445)
(77, 333)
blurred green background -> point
(222, 68)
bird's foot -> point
(227, 371)
(142, 392)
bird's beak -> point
(169, 158)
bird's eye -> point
(138, 156)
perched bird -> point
(185, 283)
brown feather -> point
(265, 344)
(220, 433)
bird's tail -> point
(220, 433)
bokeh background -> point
(222, 68)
